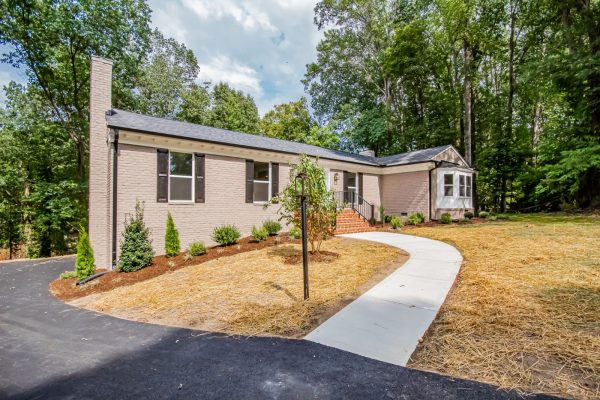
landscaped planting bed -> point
(254, 293)
(525, 310)
(65, 289)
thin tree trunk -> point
(467, 101)
(536, 129)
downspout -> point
(115, 160)
(436, 165)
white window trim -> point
(269, 190)
(192, 200)
(465, 196)
(444, 184)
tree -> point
(166, 77)
(321, 207)
(292, 121)
(233, 110)
(136, 246)
(195, 106)
(53, 42)
(85, 265)
(172, 245)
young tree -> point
(136, 246)
(172, 245)
(84, 263)
(321, 207)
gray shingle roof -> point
(142, 123)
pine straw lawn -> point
(253, 293)
(525, 311)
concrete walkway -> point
(387, 322)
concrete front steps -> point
(349, 221)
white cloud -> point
(223, 69)
(246, 14)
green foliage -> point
(446, 218)
(396, 222)
(484, 214)
(233, 110)
(272, 227)
(469, 214)
(295, 233)
(226, 235)
(188, 256)
(196, 249)
(172, 245)
(415, 218)
(259, 234)
(68, 275)
(321, 207)
(84, 262)
(136, 246)
(382, 213)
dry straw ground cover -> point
(525, 311)
(253, 293)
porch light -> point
(336, 177)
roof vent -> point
(367, 152)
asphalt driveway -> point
(51, 350)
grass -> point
(525, 310)
(254, 293)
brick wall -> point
(405, 193)
(224, 203)
(100, 162)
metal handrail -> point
(353, 200)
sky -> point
(259, 46)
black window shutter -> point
(200, 177)
(249, 181)
(360, 187)
(162, 180)
(345, 183)
(274, 179)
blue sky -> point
(258, 46)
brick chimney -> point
(99, 211)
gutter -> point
(115, 161)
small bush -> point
(272, 227)
(446, 218)
(136, 246)
(196, 249)
(187, 256)
(491, 218)
(396, 222)
(502, 216)
(388, 218)
(68, 274)
(416, 218)
(84, 263)
(382, 213)
(172, 245)
(469, 214)
(260, 234)
(295, 233)
(226, 235)
(483, 214)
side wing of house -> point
(451, 185)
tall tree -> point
(234, 110)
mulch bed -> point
(430, 224)
(66, 290)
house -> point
(206, 177)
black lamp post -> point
(302, 177)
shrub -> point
(416, 218)
(136, 246)
(272, 227)
(259, 234)
(226, 235)
(382, 214)
(469, 214)
(295, 233)
(483, 214)
(187, 256)
(68, 274)
(84, 263)
(172, 245)
(196, 249)
(446, 218)
(491, 218)
(388, 218)
(502, 216)
(396, 222)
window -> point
(180, 177)
(261, 182)
(469, 189)
(449, 185)
(465, 185)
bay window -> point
(449, 185)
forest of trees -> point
(513, 84)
